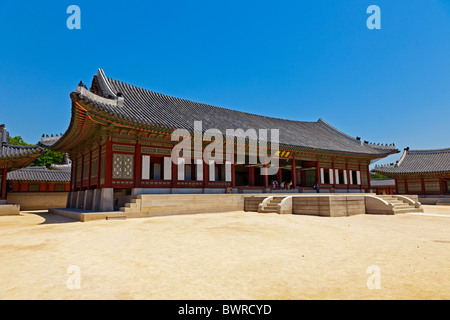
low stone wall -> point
(330, 206)
(9, 209)
(251, 203)
(37, 200)
(160, 205)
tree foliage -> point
(376, 175)
(18, 141)
(47, 159)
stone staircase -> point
(133, 208)
(271, 206)
(400, 206)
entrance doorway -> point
(446, 186)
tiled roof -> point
(39, 174)
(419, 161)
(124, 101)
(10, 151)
(382, 182)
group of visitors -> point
(281, 186)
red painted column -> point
(293, 174)
(347, 173)
(318, 172)
(4, 176)
(137, 166)
(233, 175)
(90, 170)
(73, 176)
(441, 185)
(82, 171)
(279, 176)
(422, 182)
(251, 176)
(99, 166)
(108, 164)
(266, 177)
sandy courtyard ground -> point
(236, 255)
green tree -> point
(376, 175)
(18, 141)
(47, 159)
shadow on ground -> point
(50, 218)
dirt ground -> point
(235, 255)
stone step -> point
(267, 211)
(402, 205)
(407, 210)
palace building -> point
(12, 158)
(421, 172)
(119, 140)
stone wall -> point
(172, 204)
(330, 206)
(38, 200)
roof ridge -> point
(199, 103)
(337, 130)
(443, 150)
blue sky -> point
(300, 60)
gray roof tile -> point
(419, 161)
(155, 109)
(39, 174)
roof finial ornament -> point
(81, 84)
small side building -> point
(12, 158)
(383, 186)
(422, 172)
(40, 188)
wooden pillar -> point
(233, 175)
(108, 164)
(251, 176)
(422, 183)
(99, 166)
(205, 174)
(90, 170)
(82, 171)
(441, 185)
(73, 175)
(137, 166)
(368, 178)
(293, 174)
(4, 176)
(347, 173)
(266, 177)
(279, 176)
(333, 171)
(406, 186)
(174, 174)
(318, 172)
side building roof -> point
(40, 173)
(13, 157)
(126, 104)
(418, 162)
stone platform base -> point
(85, 215)
(9, 209)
